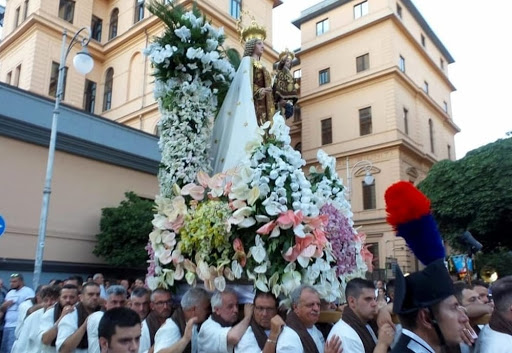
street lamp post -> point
(83, 63)
(368, 179)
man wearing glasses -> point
(264, 328)
(9, 309)
(161, 310)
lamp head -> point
(83, 61)
(369, 179)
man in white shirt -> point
(139, 301)
(28, 341)
(357, 327)
(9, 309)
(119, 331)
(72, 329)
(100, 281)
(50, 320)
(496, 337)
(179, 333)
(116, 298)
(161, 310)
(219, 334)
(264, 328)
(300, 334)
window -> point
(297, 73)
(324, 77)
(17, 74)
(361, 9)
(441, 63)
(445, 107)
(369, 198)
(8, 78)
(423, 40)
(322, 27)
(112, 28)
(449, 150)
(399, 10)
(326, 131)
(17, 17)
(431, 134)
(89, 96)
(234, 8)
(298, 147)
(363, 62)
(52, 90)
(107, 95)
(406, 121)
(67, 10)
(25, 10)
(96, 25)
(139, 11)
(401, 63)
(365, 121)
(425, 87)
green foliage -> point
(124, 232)
(499, 260)
(474, 193)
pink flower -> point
(177, 224)
(317, 222)
(267, 228)
(203, 178)
(289, 219)
(240, 254)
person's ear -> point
(351, 301)
(103, 344)
(425, 319)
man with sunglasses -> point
(9, 309)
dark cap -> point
(423, 288)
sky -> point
(478, 36)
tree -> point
(475, 194)
(124, 232)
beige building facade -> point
(374, 84)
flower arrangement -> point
(192, 75)
(265, 221)
(262, 218)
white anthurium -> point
(272, 208)
(261, 268)
(159, 221)
(299, 231)
(290, 281)
(261, 283)
(303, 260)
(168, 276)
(237, 269)
(312, 274)
(152, 282)
(156, 235)
(258, 251)
(220, 283)
(203, 272)
(254, 194)
(262, 218)
(251, 276)
(275, 232)
(179, 272)
(183, 33)
(228, 274)
(190, 277)
(247, 222)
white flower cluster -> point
(187, 98)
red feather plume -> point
(404, 203)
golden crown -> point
(253, 31)
(286, 53)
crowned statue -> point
(285, 89)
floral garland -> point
(192, 75)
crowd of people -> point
(76, 316)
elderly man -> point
(161, 310)
(72, 329)
(300, 334)
(116, 298)
(9, 309)
(100, 281)
(139, 301)
(496, 337)
(179, 333)
(119, 331)
(357, 328)
(265, 326)
(219, 334)
(68, 297)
